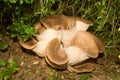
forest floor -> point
(32, 67)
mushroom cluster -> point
(65, 43)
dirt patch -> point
(32, 67)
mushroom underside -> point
(30, 44)
(55, 54)
(62, 66)
(85, 40)
(86, 66)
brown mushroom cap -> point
(86, 41)
(29, 44)
(55, 55)
(80, 68)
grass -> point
(10, 68)
(85, 76)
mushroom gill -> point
(56, 55)
(86, 41)
(76, 55)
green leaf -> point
(21, 1)
(7, 77)
(12, 67)
(3, 62)
(29, 1)
(12, 1)
(5, 0)
(3, 73)
(3, 46)
(13, 63)
(85, 76)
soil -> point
(33, 67)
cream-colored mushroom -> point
(55, 55)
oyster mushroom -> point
(55, 55)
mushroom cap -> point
(30, 44)
(86, 41)
(80, 68)
(76, 55)
(56, 55)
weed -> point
(10, 68)
(21, 29)
(111, 75)
(3, 46)
(85, 76)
